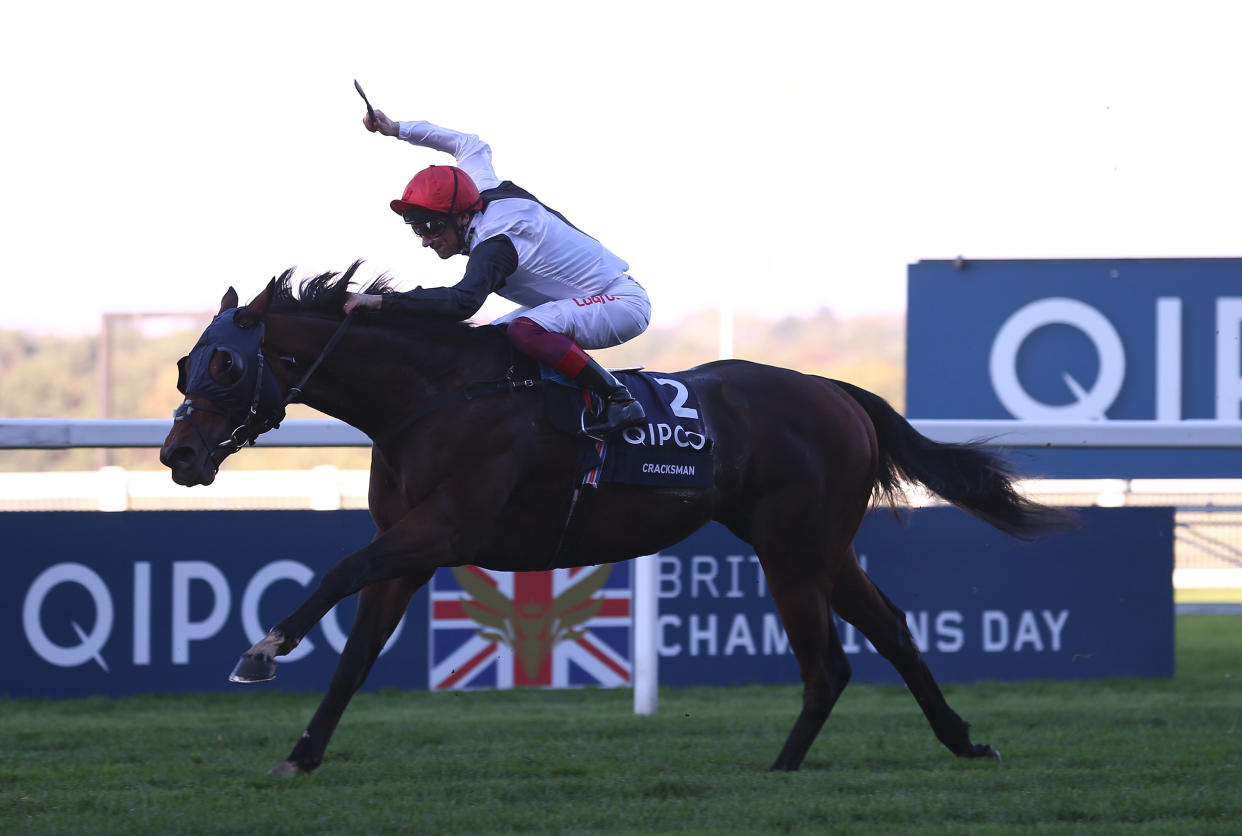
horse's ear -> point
(251, 314)
(229, 301)
(258, 305)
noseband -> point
(251, 401)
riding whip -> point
(370, 110)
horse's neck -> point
(374, 377)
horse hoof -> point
(253, 668)
(286, 769)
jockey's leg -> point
(564, 355)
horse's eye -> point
(229, 366)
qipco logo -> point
(1091, 400)
(92, 616)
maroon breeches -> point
(555, 350)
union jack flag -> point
(557, 629)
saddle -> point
(671, 449)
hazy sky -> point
(795, 154)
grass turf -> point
(1139, 756)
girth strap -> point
(581, 502)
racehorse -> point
(466, 469)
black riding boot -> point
(620, 408)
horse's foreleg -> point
(380, 608)
(446, 529)
(861, 603)
(393, 554)
(373, 564)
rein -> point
(506, 384)
(237, 440)
(296, 391)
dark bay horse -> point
(486, 481)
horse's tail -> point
(967, 475)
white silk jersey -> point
(564, 279)
(555, 260)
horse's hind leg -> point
(825, 669)
(800, 580)
(861, 603)
(380, 607)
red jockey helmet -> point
(438, 190)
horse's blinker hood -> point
(251, 391)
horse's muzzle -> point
(190, 463)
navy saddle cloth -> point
(671, 449)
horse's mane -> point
(324, 295)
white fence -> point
(62, 433)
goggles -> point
(423, 226)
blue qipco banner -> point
(1096, 602)
(1132, 339)
(154, 602)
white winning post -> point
(646, 646)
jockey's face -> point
(447, 242)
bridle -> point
(253, 412)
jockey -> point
(573, 292)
